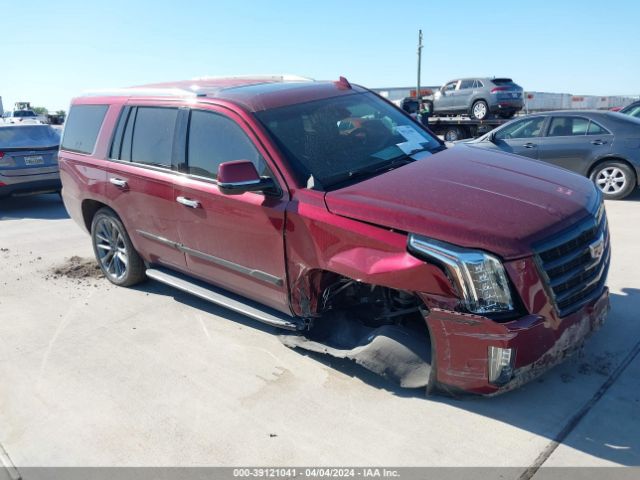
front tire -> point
(479, 110)
(614, 179)
(118, 259)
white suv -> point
(21, 116)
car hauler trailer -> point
(458, 128)
(452, 128)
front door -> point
(521, 137)
(140, 182)
(443, 100)
(233, 241)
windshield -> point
(24, 113)
(332, 140)
(633, 110)
(36, 136)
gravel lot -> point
(96, 375)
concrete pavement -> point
(94, 375)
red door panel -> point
(147, 206)
(236, 241)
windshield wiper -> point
(373, 170)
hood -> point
(471, 197)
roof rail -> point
(191, 90)
(274, 77)
(143, 92)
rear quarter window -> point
(82, 127)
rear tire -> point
(614, 179)
(118, 259)
(479, 110)
(507, 115)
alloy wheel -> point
(479, 110)
(611, 180)
(111, 249)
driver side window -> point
(214, 139)
(451, 86)
(525, 128)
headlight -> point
(479, 276)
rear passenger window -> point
(568, 126)
(145, 135)
(466, 84)
(82, 127)
(214, 139)
(152, 135)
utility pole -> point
(419, 61)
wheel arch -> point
(476, 100)
(89, 209)
(614, 158)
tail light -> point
(499, 89)
(6, 162)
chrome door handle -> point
(188, 202)
(529, 145)
(598, 142)
(118, 182)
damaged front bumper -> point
(462, 344)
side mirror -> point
(240, 176)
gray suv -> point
(479, 97)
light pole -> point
(419, 61)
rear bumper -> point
(506, 105)
(462, 341)
(28, 184)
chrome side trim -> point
(159, 239)
(236, 267)
(239, 184)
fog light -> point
(501, 362)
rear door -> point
(573, 141)
(233, 241)
(461, 97)
(521, 137)
(140, 181)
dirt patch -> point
(78, 268)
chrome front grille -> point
(575, 263)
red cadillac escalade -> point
(321, 208)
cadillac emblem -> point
(597, 248)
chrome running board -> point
(226, 299)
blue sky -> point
(53, 50)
